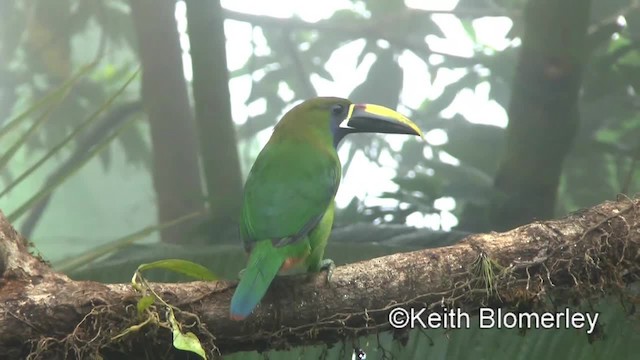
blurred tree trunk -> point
(216, 129)
(543, 114)
(176, 174)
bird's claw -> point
(329, 266)
(240, 273)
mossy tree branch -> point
(585, 255)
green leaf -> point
(185, 341)
(181, 266)
(144, 303)
(188, 342)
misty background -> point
(128, 128)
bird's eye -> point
(337, 109)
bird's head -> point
(331, 119)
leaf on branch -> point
(144, 303)
(185, 341)
(185, 267)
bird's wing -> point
(287, 192)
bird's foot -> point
(329, 266)
(240, 273)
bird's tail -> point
(263, 266)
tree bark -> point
(216, 130)
(581, 257)
(543, 113)
(176, 172)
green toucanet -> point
(288, 204)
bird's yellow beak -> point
(378, 119)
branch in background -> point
(633, 6)
(584, 256)
(355, 28)
(301, 74)
(362, 28)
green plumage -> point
(288, 207)
(288, 204)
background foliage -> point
(64, 106)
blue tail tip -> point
(237, 317)
(237, 312)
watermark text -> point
(489, 318)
